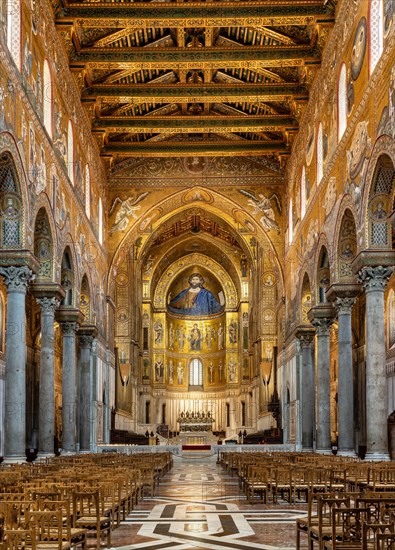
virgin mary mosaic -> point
(196, 300)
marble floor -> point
(197, 506)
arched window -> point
(100, 222)
(320, 155)
(14, 30)
(196, 373)
(290, 222)
(376, 32)
(47, 98)
(303, 197)
(342, 101)
(87, 191)
(12, 213)
(70, 152)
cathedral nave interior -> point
(197, 223)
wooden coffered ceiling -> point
(198, 78)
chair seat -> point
(303, 524)
(47, 545)
(77, 533)
(89, 520)
(326, 531)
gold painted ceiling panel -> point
(194, 79)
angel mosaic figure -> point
(263, 205)
(128, 208)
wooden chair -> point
(370, 532)
(385, 541)
(87, 514)
(321, 530)
(19, 539)
(48, 525)
(304, 523)
(257, 482)
(347, 528)
(280, 484)
(148, 479)
(75, 535)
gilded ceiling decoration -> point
(194, 79)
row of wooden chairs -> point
(56, 504)
(280, 475)
(346, 520)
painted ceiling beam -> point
(195, 124)
(185, 93)
(195, 14)
(199, 148)
(248, 57)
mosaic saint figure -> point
(180, 373)
(158, 328)
(232, 330)
(211, 371)
(232, 366)
(181, 337)
(171, 336)
(159, 369)
(195, 338)
(195, 300)
(220, 337)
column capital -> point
(86, 336)
(306, 340)
(374, 278)
(16, 279)
(69, 329)
(344, 305)
(85, 341)
(305, 334)
(322, 326)
(48, 305)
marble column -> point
(307, 391)
(322, 326)
(16, 280)
(374, 280)
(46, 415)
(69, 398)
(85, 390)
(345, 391)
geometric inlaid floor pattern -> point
(197, 506)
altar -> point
(195, 422)
(196, 430)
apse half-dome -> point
(196, 293)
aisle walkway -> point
(197, 506)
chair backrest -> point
(385, 541)
(47, 524)
(347, 525)
(20, 539)
(86, 503)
